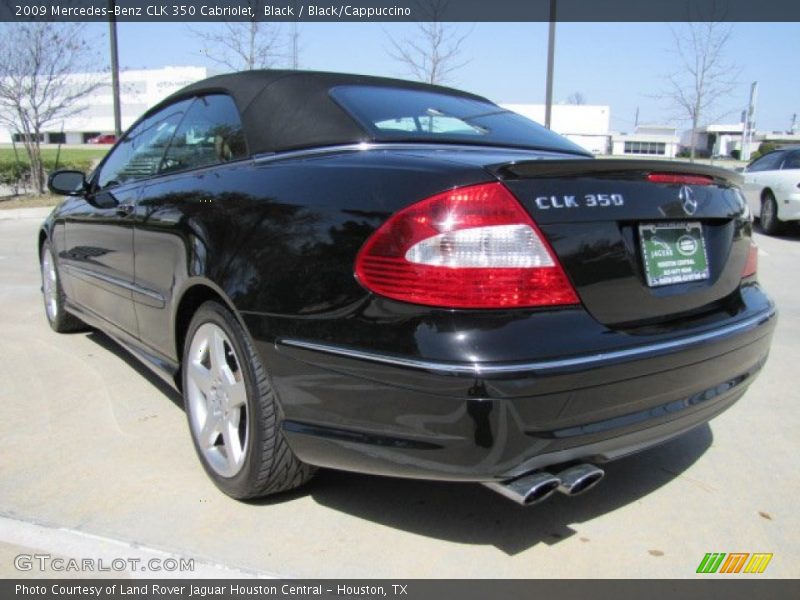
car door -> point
(175, 209)
(789, 176)
(98, 254)
(756, 176)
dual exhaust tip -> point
(538, 486)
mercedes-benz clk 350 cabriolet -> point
(401, 279)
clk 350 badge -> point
(588, 201)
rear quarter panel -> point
(276, 237)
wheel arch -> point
(194, 294)
(43, 237)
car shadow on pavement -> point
(469, 513)
(472, 514)
(790, 231)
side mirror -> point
(67, 183)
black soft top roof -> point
(285, 110)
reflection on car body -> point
(360, 273)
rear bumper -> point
(392, 415)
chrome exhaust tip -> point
(579, 479)
(528, 489)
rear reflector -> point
(751, 266)
(680, 178)
(471, 247)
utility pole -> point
(551, 51)
(112, 28)
(750, 123)
(295, 48)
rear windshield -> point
(392, 114)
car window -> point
(139, 153)
(421, 115)
(210, 133)
(792, 161)
(768, 162)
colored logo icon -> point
(735, 562)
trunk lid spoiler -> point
(627, 168)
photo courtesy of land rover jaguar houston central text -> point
(402, 279)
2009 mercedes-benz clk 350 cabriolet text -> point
(402, 279)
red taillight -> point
(751, 266)
(472, 247)
(680, 178)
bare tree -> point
(435, 52)
(45, 71)
(576, 98)
(243, 45)
(704, 77)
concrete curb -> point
(40, 540)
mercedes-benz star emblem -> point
(686, 196)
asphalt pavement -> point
(96, 461)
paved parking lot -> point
(96, 457)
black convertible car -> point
(402, 279)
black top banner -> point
(182, 11)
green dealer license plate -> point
(673, 252)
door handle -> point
(125, 209)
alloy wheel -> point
(217, 395)
(49, 285)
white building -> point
(721, 139)
(588, 126)
(647, 140)
(139, 90)
(585, 124)
(715, 140)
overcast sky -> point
(622, 65)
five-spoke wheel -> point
(232, 409)
(54, 299)
(218, 398)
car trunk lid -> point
(641, 240)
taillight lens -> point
(471, 247)
(751, 266)
(680, 178)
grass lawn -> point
(67, 155)
(29, 201)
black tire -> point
(770, 223)
(268, 465)
(60, 320)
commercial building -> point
(588, 126)
(139, 90)
(585, 124)
(646, 141)
(721, 139)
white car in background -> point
(772, 188)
